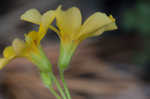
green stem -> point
(47, 80)
(52, 75)
(54, 93)
(65, 85)
(59, 87)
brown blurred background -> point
(114, 65)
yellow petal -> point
(98, 23)
(68, 21)
(32, 16)
(32, 37)
(31, 41)
(108, 27)
(9, 52)
(98, 32)
(46, 20)
(32, 44)
(3, 62)
(18, 46)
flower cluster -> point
(71, 31)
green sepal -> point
(66, 53)
(41, 61)
(47, 78)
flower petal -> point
(31, 41)
(68, 21)
(32, 15)
(18, 46)
(97, 24)
(3, 62)
(31, 37)
(46, 20)
(9, 52)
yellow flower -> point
(31, 45)
(71, 30)
(19, 48)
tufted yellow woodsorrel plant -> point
(71, 32)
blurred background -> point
(117, 63)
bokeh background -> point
(114, 65)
